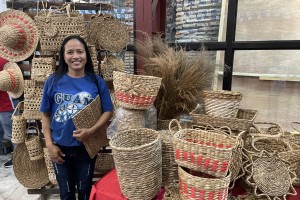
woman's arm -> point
(82, 134)
(54, 151)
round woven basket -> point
(18, 125)
(135, 91)
(222, 103)
(31, 174)
(138, 160)
(50, 168)
(34, 145)
(209, 152)
(169, 166)
(196, 187)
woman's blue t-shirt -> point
(66, 97)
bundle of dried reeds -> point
(183, 78)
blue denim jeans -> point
(76, 172)
(5, 126)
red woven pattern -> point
(207, 152)
(133, 101)
(200, 188)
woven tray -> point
(243, 121)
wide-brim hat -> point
(31, 174)
(19, 35)
(12, 80)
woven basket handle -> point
(269, 138)
(21, 103)
(293, 125)
(280, 133)
(171, 128)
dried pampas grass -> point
(183, 78)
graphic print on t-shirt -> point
(69, 105)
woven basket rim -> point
(133, 148)
(115, 73)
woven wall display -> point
(50, 168)
(135, 91)
(108, 33)
(222, 103)
(138, 159)
(270, 176)
(32, 99)
(18, 125)
(169, 166)
(31, 174)
(87, 118)
(42, 68)
(209, 152)
(54, 26)
(111, 63)
(197, 187)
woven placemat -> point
(88, 117)
(31, 174)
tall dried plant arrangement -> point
(183, 78)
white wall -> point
(2, 5)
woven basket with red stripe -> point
(193, 185)
(204, 151)
(135, 91)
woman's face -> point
(75, 56)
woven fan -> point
(86, 118)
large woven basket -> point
(18, 125)
(138, 160)
(222, 103)
(195, 187)
(54, 27)
(110, 64)
(169, 166)
(243, 120)
(209, 152)
(33, 92)
(42, 68)
(50, 168)
(135, 91)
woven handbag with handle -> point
(55, 26)
(34, 144)
(42, 68)
(18, 125)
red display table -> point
(108, 188)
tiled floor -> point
(10, 188)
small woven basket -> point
(110, 64)
(209, 152)
(135, 91)
(138, 160)
(94, 56)
(32, 99)
(42, 68)
(163, 124)
(222, 103)
(195, 187)
(34, 145)
(104, 163)
(50, 168)
(169, 166)
(18, 125)
(172, 192)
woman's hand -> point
(82, 134)
(56, 154)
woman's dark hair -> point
(63, 67)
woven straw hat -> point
(12, 80)
(19, 35)
(31, 174)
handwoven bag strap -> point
(17, 107)
(177, 125)
(293, 125)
